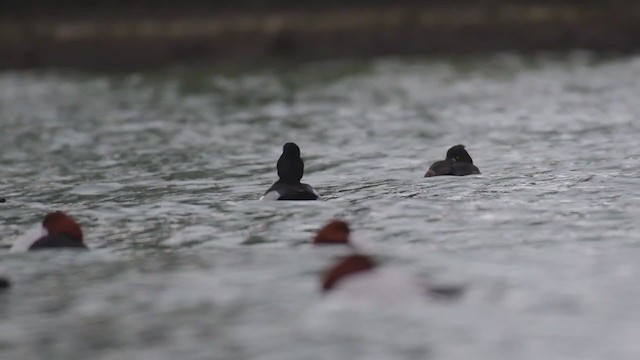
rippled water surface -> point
(163, 170)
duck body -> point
(361, 276)
(283, 191)
(448, 167)
(57, 241)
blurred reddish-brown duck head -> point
(335, 232)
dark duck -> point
(290, 171)
(457, 163)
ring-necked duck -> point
(457, 163)
(290, 171)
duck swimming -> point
(366, 276)
(458, 163)
(362, 273)
(290, 171)
(58, 230)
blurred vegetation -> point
(70, 7)
(144, 33)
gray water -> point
(163, 171)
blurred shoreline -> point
(139, 39)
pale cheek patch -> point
(24, 241)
